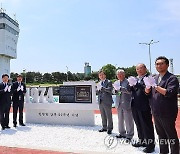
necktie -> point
(119, 93)
(102, 83)
(120, 83)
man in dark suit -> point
(104, 90)
(142, 112)
(5, 101)
(19, 90)
(163, 100)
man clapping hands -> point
(5, 101)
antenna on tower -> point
(14, 16)
(1, 10)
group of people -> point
(137, 99)
(11, 93)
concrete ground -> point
(14, 150)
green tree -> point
(94, 75)
(56, 77)
(129, 71)
(86, 78)
(47, 78)
(110, 71)
(38, 77)
(30, 77)
(13, 76)
(63, 77)
(70, 76)
(80, 76)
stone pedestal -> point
(72, 113)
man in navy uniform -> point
(105, 102)
(163, 100)
(19, 90)
(5, 101)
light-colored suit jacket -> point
(123, 96)
(105, 94)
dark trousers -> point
(167, 134)
(145, 129)
(4, 111)
(19, 105)
(106, 115)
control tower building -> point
(9, 33)
(87, 69)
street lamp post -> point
(115, 70)
(67, 72)
(24, 71)
(149, 44)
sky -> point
(56, 35)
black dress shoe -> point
(14, 125)
(109, 132)
(120, 136)
(7, 127)
(148, 150)
(22, 124)
(102, 130)
(138, 144)
(3, 128)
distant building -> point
(9, 33)
(87, 69)
(171, 68)
(178, 76)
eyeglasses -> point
(159, 63)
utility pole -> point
(24, 71)
(149, 44)
(67, 73)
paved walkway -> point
(10, 150)
(177, 120)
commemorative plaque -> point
(75, 94)
(83, 94)
(66, 94)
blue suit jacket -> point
(105, 94)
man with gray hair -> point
(123, 105)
